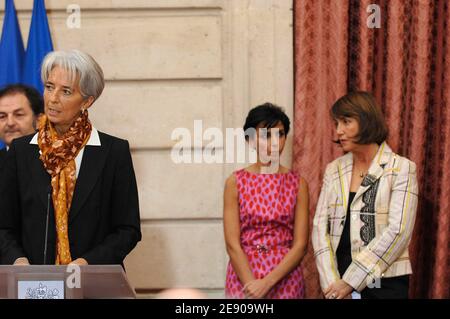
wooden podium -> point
(64, 282)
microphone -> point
(49, 193)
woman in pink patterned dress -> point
(265, 216)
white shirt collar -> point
(94, 139)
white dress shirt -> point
(94, 140)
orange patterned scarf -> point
(58, 156)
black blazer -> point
(104, 223)
(2, 161)
(2, 157)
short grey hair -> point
(80, 66)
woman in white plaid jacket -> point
(366, 209)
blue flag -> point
(39, 44)
(11, 49)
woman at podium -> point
(68, 193)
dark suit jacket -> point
(104, 223)
(2, 161)
(2, 157)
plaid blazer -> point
(382, 214)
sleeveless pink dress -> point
(266, 209)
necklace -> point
(362, 174)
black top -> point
(344, 250)
(104, 223)
(2, 156)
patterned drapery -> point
(406, 64)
